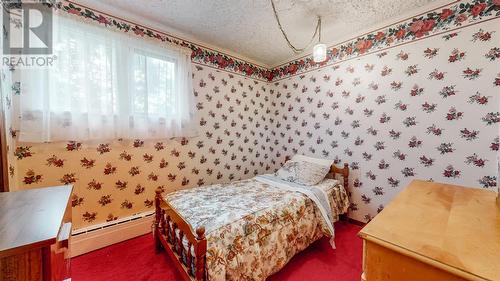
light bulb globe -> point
(319, 53)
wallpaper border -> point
(425, 25)
(200, 54)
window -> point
(107, 85)
(153, 85)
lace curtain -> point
(107, 85)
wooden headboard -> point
(334, 171)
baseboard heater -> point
(94, 237)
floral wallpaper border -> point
(452, 15)
(200, 54)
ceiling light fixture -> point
(319, 50)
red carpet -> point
(135, 260)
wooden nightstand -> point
(434, 231)
(35, 228)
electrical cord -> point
(295, 49)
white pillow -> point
(323, 162)
(302, 172)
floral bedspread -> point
(253, 229)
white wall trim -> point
(99, 236)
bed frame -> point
(167, 222)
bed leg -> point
(344, 219)
(158, 245)
(345, 180)
(200, 253)
(158, 219)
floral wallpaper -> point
(5, 94)
(118, 179)
(428, 110)
(418, 99)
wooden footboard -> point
(170, 229)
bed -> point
(244, 230)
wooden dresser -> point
(434, 231)
(35, 228)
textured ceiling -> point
(248, 27)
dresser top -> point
(455, 226)
(31, 217)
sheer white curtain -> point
(106, 85)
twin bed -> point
(248, 229)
